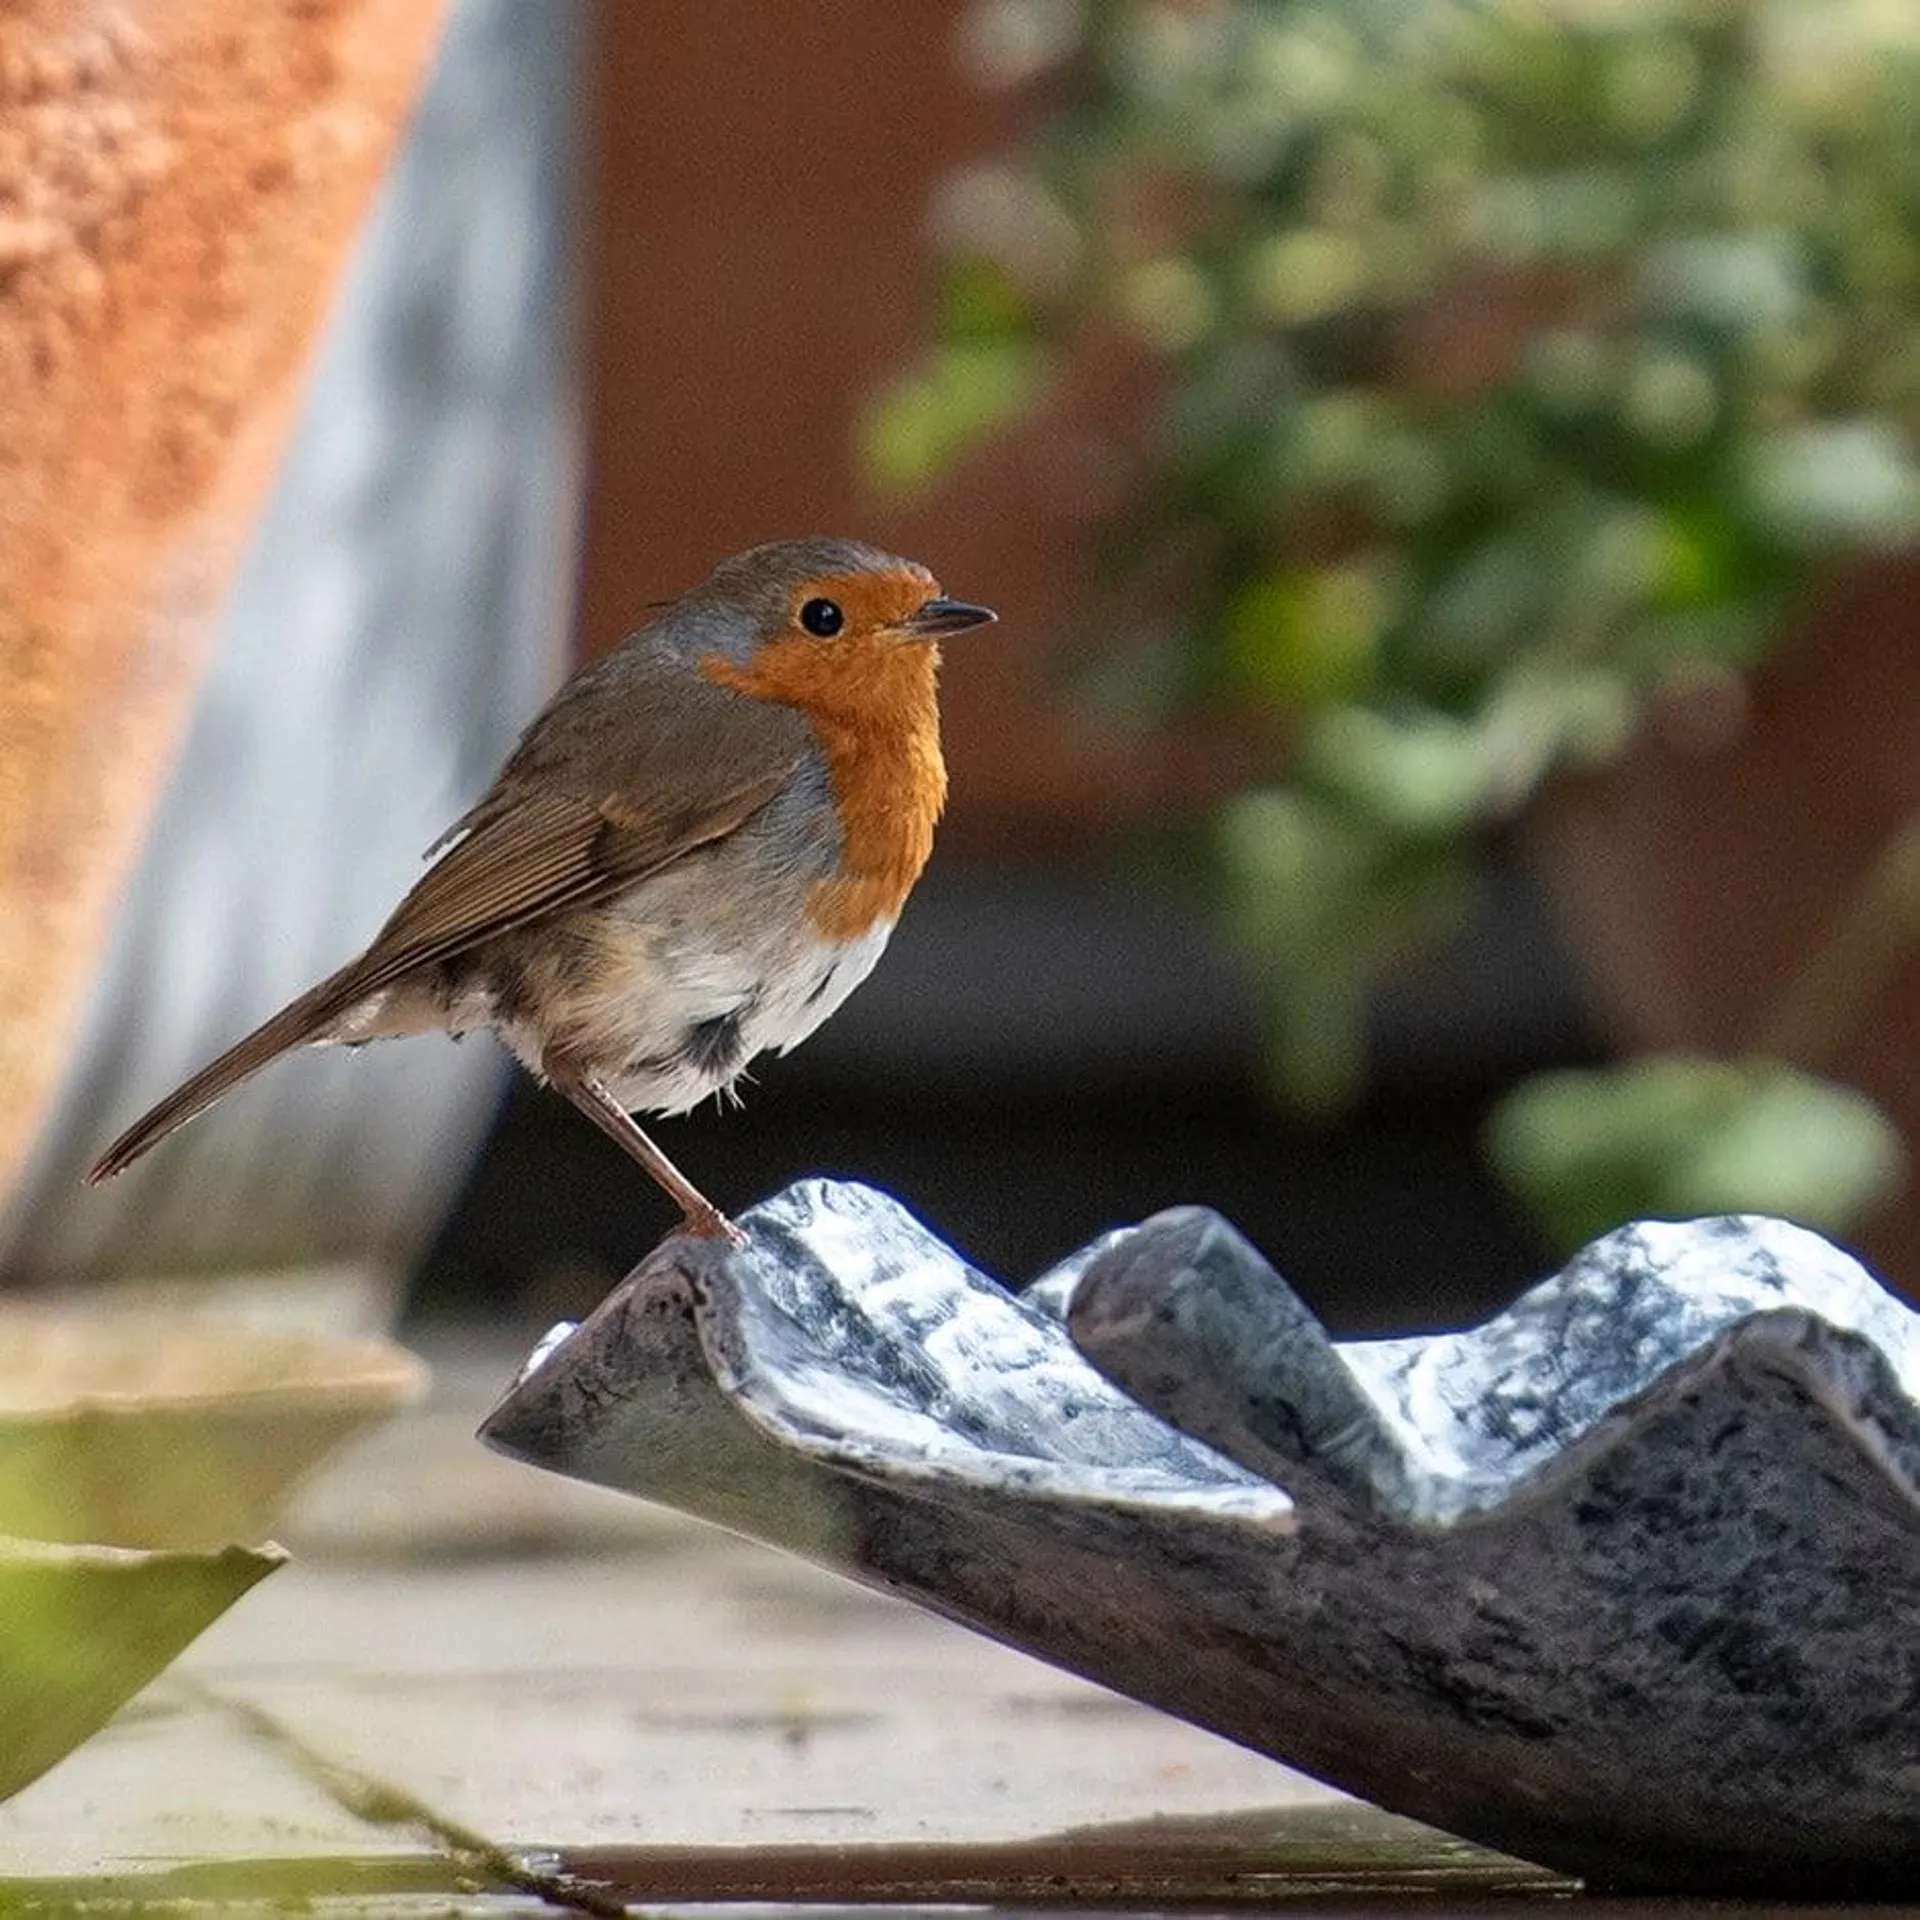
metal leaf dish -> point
(1620, 1582)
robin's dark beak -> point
(948, 616)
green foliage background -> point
(1520, 362)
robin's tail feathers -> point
(297, 1024)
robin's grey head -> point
(819, 590)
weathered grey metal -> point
(1624, 1581)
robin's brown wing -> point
(603, 790)
(532, 853)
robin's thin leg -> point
(586, 1092)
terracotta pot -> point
(1698, 876)
(178, 189)
(400, 610)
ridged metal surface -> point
(1621, 1582)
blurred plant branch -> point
(1858, 955)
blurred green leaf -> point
(1423, 774)
(917, 429)
(978, 301)
(1679, 1135)
(1006, 43)
(1847, 483)
(1414, 772)
(1304, 636)
(1319, 899)
(1732, 280)
(1702, 559)
(1305, 273)
(1169, 303)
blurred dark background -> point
(1054, 1047)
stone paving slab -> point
(469, 1662)
(468, 1659)
(637, 1680)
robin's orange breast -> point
(873, 705)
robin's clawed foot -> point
(698, 1215)
(707, 1222)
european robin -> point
(695, 853)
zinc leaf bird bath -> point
(1609, 1583)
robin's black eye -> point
(822, 617)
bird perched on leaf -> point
(695, 853)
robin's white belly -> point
(666, 1021)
